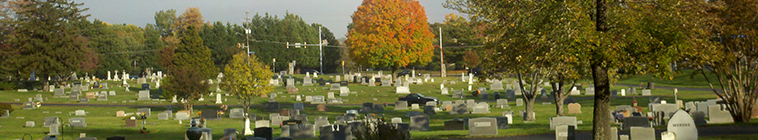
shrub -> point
(3, 107)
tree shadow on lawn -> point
(128, 132)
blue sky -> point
(334, 14)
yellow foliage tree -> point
(246, 77)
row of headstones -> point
(54, 124)
(714, 110)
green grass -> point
(102, 122)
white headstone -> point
(682, 124)
(218, 98)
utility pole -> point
(247, 32)
(443, 70)
(320, 51)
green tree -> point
(164, 21)
(393, 33)
(726, 47)
(192, 53)
(191, 67)
(44, 40)
(269, 35)
(222, 40)
(147, 56)
(246, 77)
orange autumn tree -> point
(390, 33)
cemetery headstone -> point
(77, 122)
(519, 102)
(272, 106)
(502, 122)
(299, 106)
(565, 132)
(683, 126)
(401, 105)
(481, 108)
(562, 120)
(236, 113)
(574, 108)
(144, 95)
(144, 110)
(635, 121)
(210, 114)
(645, 92)
(699, 118)
(717, 115)
(482, 126)
(321, 121)
(642, 133)
(264, 132)
(455, 125)
(420, 123)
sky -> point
(333, 14)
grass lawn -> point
(102, 121)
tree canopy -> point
(246, 78)
(43, 39)
(390, 33)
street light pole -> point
(247, 33)
(443, 70)
(320, 50)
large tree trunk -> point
(559, 98)
(601, 122)
(529, 110)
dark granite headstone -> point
(699, 118)
(614, 93)
(496, 95)
(429, 110)
(365, 110)
(485, 96)
(502, 122)
(321, 82)
(145, 86)
(264, 132)
(272, 106)
(455, 125)
(343, 83)
(116, 138)
(210, 114)
(509, 93)
(635, 121)
(378, 108)
(420, 123)
(368, 104)
(302, 131)
(405, 129)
